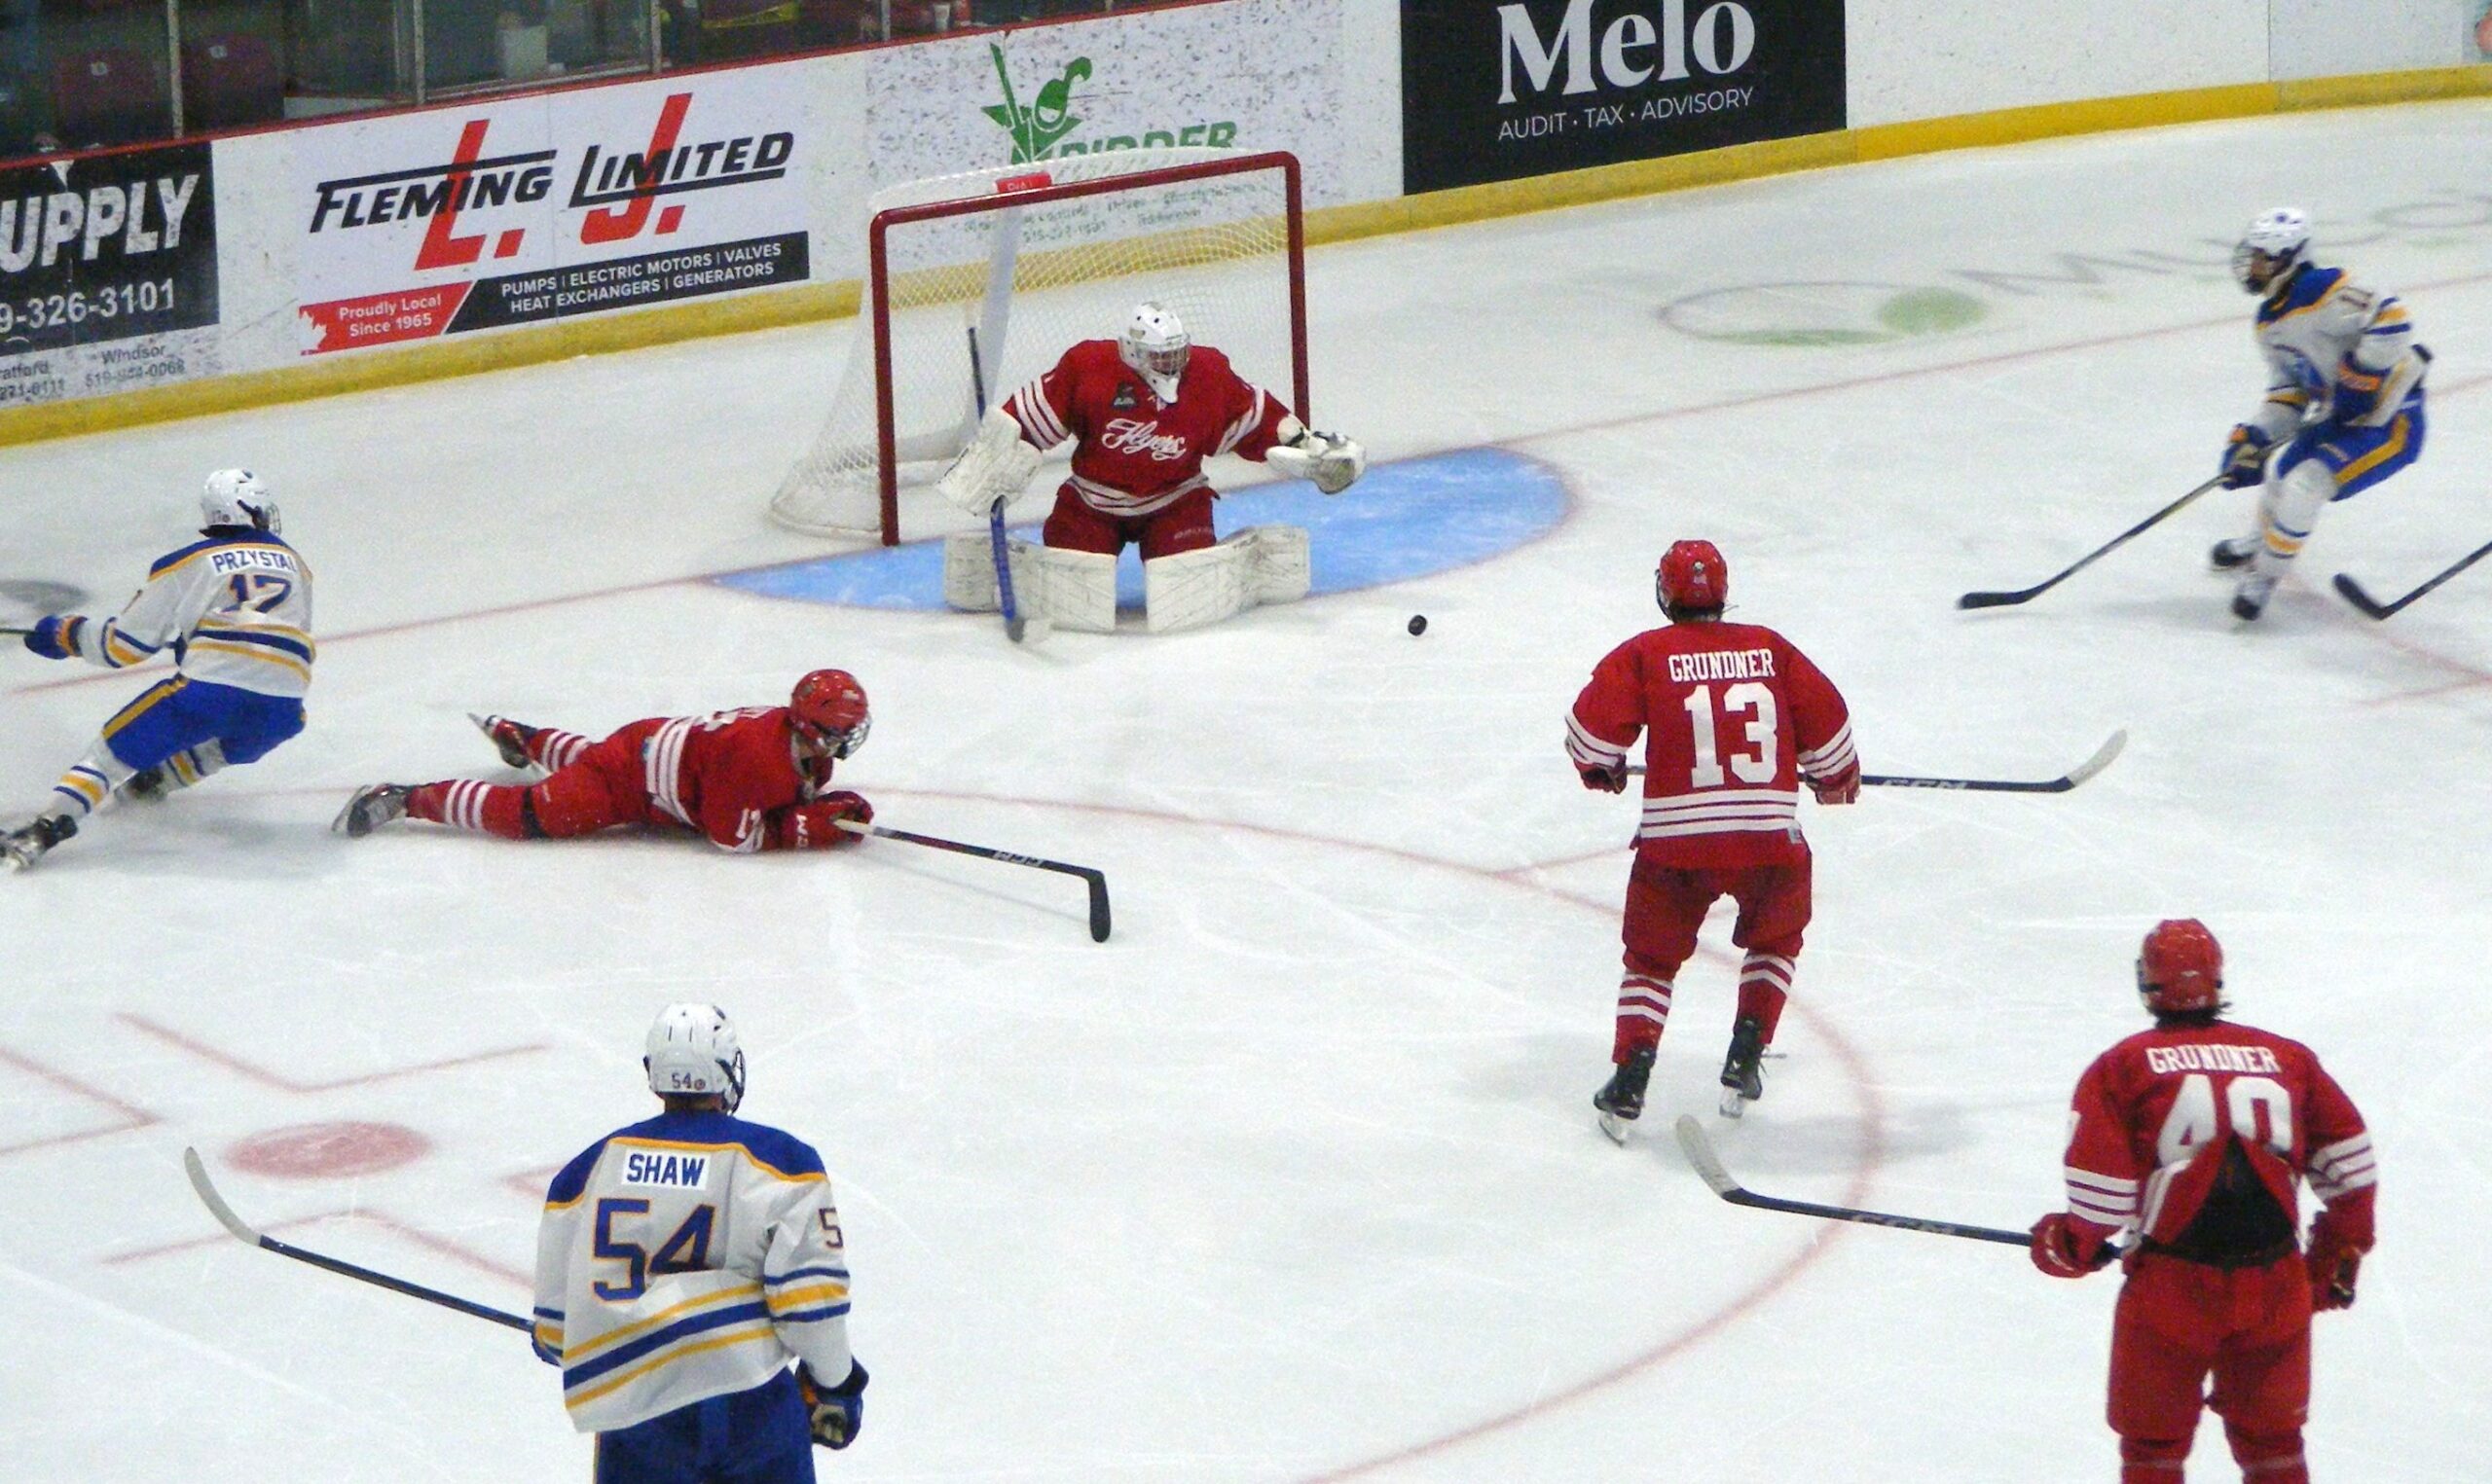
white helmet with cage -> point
(236, 497)
(2275, 244)
(1156, 346)
(692, 1053)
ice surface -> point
(1295, 1178)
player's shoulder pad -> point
(777, 1150)
(570, 1181)
(2309, 286)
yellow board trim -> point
(365, 371)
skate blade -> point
(1733, 1104)
(1618, 1128)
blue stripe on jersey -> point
(681, 1329)
(571, 1183)
(294, 647)
(779, 1150)
(2308, 287)
(839, 1273)
(809, 1315)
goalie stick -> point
(1092, 877)
(2101, 760)
(253, 1238)
(2354, 593)
(1020, 630)
(2028, 595)
(1699, 1153)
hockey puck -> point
(1418, 625)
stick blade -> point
(1698, 1150)
(1996, 599)
(2101, 759)
(215, 1203)
(1099, 924)
(2352, 592)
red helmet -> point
(828, 710)
(2180, 968)
(1692, 575)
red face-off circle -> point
(328, 1150)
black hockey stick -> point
(2371, 605)
(1095, 879)
(245, 1234)
(2028, 595)
(14, 628)
(2101, 760)
(1699, 1153)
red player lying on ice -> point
(1734, 718)
(2197, 1135)
(1143, 411)
(752, 779)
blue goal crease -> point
(1404, 519)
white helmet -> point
(236, 497)
(692, 1053)
(2274, 246)
(1156, 346)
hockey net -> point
(1023, 261)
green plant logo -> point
(1049, 117)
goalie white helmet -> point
(1156, 346)
(2276, 244)
(692, 1053)
(236, 497)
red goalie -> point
(750, 779)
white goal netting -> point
(1034, 258)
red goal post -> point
(1035, 257)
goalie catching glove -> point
(1333, 462)
(993, 468)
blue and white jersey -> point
(233, 609)
(2335, 351)
(687, 1257)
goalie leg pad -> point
(1283, 564)
(1071, 589)
(1192, 589)
(968, 573)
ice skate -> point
(24, 846)
(1744, 1069)
(1622, 1100)
(509, 737)
(2235, 553)
(2250, 598)
(374, 805)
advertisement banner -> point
(105, 263)
(501, 213)
(1534, 87)
(1248, 75)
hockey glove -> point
(1606, 779)
(1333, 462)
(2244, 457)
(815, 826)
(834, 1412)
(1844, 788)
(55, 638)
(2335, 1263)
(2066, 1248)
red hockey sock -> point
(1643, 1009)
(1765, 984)
(464, 804)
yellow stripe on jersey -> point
(2390, 446)
(811, 1294)
(743, 1294)
(666, 1357)
(254, 652)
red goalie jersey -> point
(2200, 1135)
(1737, 717)
(1134, 454)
